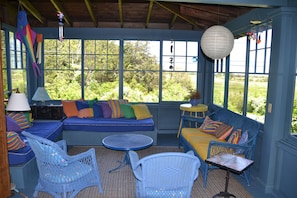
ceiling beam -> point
(121, 12)
(89, 7)
(176, 13)
(30, 8)
(149, 13)
(172, 21)
(57, 5)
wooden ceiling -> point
(148, 14)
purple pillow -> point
(106, 110)
(12, 125)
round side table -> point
(197, 111)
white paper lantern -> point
(217, 42)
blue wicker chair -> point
(169, 174)
(62, 175)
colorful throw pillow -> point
(223, 131)
(244, 138)
(127, 110)
(92, 102)
(69, 107)
(97, 110)
(209, 125)
(106, 110)
(141, 111)
(12, 125)
(86, 113)
(14, 142)
(235, 136)
(20, 119)
(81, 105)
(115, 107)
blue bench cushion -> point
(49, 130)
(108, 124)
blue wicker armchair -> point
(62, 175)
(169, 174)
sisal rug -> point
(121, 183)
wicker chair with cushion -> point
(169, 174)
(62, 175)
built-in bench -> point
(23, 168)
(91, 131)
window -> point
(141, 71)
(246, 75)
(17, 63)
(101, 69)
(179, 69)
(62, 68)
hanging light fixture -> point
(217, 42)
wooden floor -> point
(255, 189)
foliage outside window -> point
(96, 66)
(101, 69)
(141, 71)
(62, 68)
(179, 69)
(247, 90)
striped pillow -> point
(20, 119)
(223, 131)
(209, 125)
(115, 107)
(14, 142)
(235, 136)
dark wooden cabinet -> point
(47, 112)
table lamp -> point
(41, 95)
(18, 102)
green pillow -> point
(91, 102)
(127, 110)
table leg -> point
(124, 162)
(180, 124)
(225, 194)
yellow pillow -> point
(141, 111)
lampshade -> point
(41, 95)
(18, 102)
(217, 42)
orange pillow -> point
(69, 107)
(86, 113)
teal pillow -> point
(127, 110)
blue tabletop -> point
(125, 142)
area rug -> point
(121, 183)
